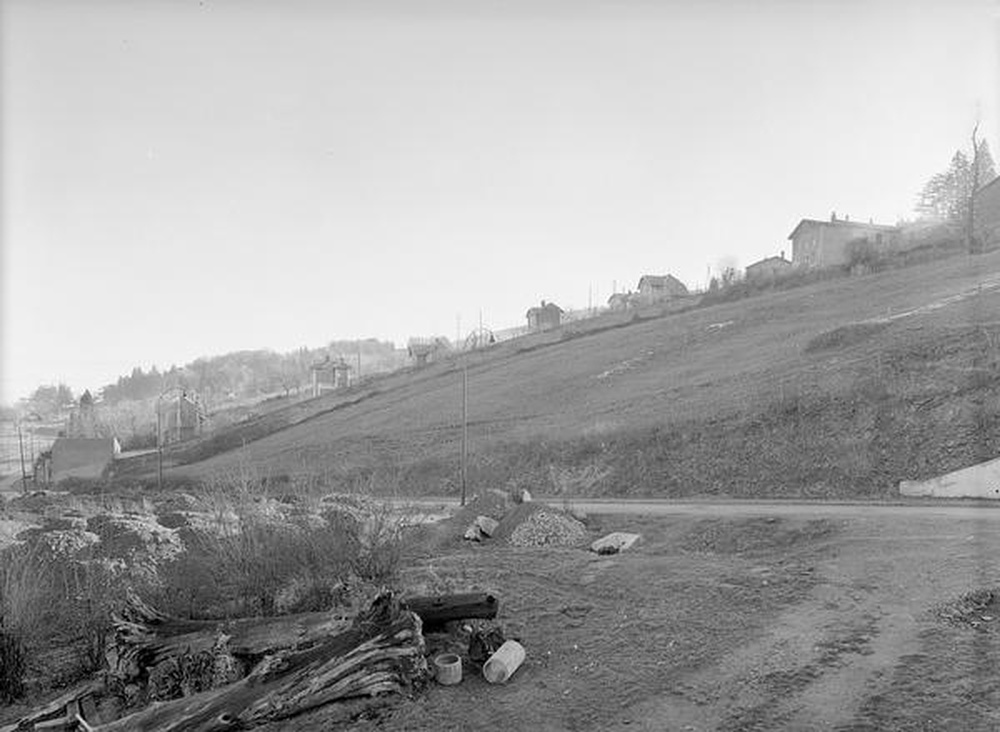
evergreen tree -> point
(945, 197)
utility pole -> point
(20, 444)
(359, 362)
(465, 425)
(159, 447)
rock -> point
(617, 541)
(473, 533)
(486, 525)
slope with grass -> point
(840, 388)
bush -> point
(270, 549)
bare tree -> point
(970, 231)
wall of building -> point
(988, 215)
(824, 244)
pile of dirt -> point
(535, 524)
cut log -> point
(438, 609)
(383, 652)
(144, 636)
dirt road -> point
(740, 616)
(984, 510)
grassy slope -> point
(673, 406)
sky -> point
(184, 178)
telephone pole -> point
(20, 445)
(465, 425)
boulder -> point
(487, 526)
(617, 541)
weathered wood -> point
(437, 609)
(382, 652)
(143, 636)
(55, 709)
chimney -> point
(782, 253)
(847, 218)
(833, 216)
(543, 303)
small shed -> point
(621, 301)
(544, 316)
(768, 268)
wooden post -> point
(465, 424)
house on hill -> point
(181, 417)
(330, 374)
(76, 458)
(987, 213)
(424, 350)
(621, 301)
(817, 244)
(656, 288)
(768, 268)
(544, 316)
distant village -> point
(78, 445)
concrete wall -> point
(979, 481)
(81, 458)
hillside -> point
(785, 394)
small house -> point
(656, 288)
(180, 417)
(424, 350)
(817, 244)
(544, 316)
(330, 374)
(768, 268)
(620, 301)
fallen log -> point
(437, 609)
(382, 652)
(144, 636)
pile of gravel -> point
(534, 524)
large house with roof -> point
(817, 244)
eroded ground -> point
(791, 622)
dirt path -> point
(838, 656)
(823, 660)
(978, 510)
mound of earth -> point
(535, 524)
